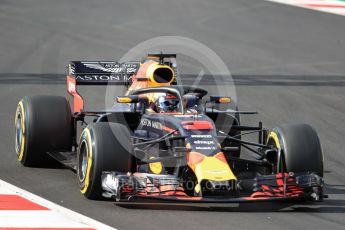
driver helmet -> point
(166, 103)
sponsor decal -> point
(118, 77)
(113, 67)
(204, 143)
(200, 142)
(152, 124)
(205, 148)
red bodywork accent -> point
(189, 198)
(78, 101)
(256, 198)
(176, 193)
(278, 190)
(220, 156)
(167, 129)
(197, 125)
(193, 158)
(279, 187)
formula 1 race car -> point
(165, 142)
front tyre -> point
(299, 149)
(102, 147)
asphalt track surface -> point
(287, 62)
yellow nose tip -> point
(211, 168)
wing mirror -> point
(217, 100)
(220, 100)
(138, 103)
(127, 99)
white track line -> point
(63, 216)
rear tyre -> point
(300, 149)
(103, 147)
(43, 123)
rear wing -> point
(97, 73)
(102, 72)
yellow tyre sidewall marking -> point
(86, 132)
(274, 136)
(20, 109)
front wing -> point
(152, 188)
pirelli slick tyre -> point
(103, 147)
(300, 148)
(43, 123)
